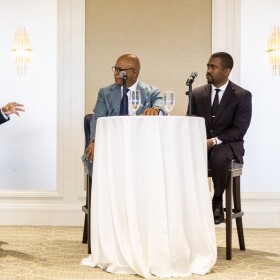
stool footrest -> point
(85, 209)
(235, 214)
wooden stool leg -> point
(229, 219)
(89, 184)
(237, 207)
(85, 230)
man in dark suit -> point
(110, 98)
(227, 110)
(10, 108)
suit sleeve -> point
(156, 99)
(2, 118)
(100, 110)
(152, 97)
(241, 120)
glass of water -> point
(169, 101)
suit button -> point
(211, 131)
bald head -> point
(131, 60)
(131, 64)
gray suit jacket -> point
(109, 100)
(233, 116)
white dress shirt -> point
(220, 94)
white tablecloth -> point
(151, 207)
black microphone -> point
(123, 75)
(190, 80)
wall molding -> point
(71, 94)
(41, 215)
(262, 210)
(226, 31)
(22, 194)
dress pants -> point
(219, 159)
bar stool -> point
(86, 208)
(232, 192)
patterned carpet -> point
(56, 252)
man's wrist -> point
(6, 117)
(157, 109)
(214, 141)
(5, 109)
(92, 140)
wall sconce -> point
(274, 50)
(22, 50)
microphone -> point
(190, 80)
(123, 75)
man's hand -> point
(151, 112)
(13, 108)
(210, 144)
(90, 152)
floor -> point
(28, 252)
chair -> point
(233, 193)
(86, 208)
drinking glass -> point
(135, 101)
(169, 101)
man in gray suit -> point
(10, 108)
(227, 110)
(110, 98)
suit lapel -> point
(207, 104)
(115, 98)
(226, 99)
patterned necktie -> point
(215, 104)
(124, 103)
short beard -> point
(210, 81)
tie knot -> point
(125, 91)
(217, 90)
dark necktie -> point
(124, 103)
(215, 104)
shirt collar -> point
(222, 88)
(134, 86)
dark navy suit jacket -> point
(2, 119)
(232, 118)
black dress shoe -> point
(218, 212)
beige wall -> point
(172, 38)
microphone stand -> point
(124, 78)
(189, 93)
(189, 82)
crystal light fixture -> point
(21, 50)
(274, 50)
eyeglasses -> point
(118, 69)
